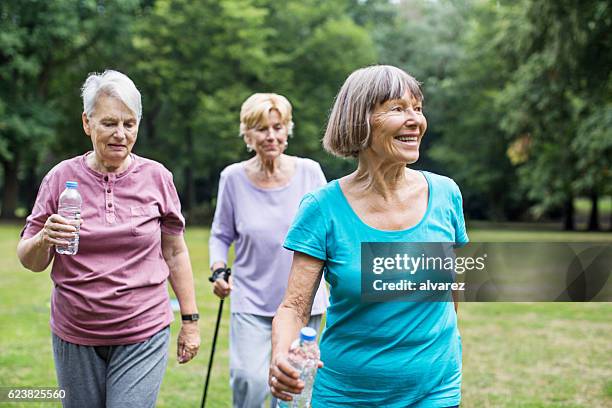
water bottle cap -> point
(72, 184)
(308, 334)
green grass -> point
(530, 355)
(583, 205)
(482, 231)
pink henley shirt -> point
(113, 291)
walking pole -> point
(223, 273)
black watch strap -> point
(190, 317)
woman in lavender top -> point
(110, 311)
(257, 201)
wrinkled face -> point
(269, 140)
(398, 125)
(113, 129)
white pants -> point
(250, 352)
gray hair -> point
(348, 128)
(111, 83)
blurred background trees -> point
(518, 93)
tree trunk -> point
(9, 195)
(568, 214)
(149, 120)
(594, 218)
(610, 225)
(188, 174)
(189, 183)
(31, 190)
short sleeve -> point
(308, 233)
(172, 220)
(44, 206)
(461, 237)
(223, 230)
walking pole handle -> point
(222, 272)
(219, 273)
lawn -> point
(515, 355)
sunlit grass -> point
(515, 355)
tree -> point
(314, 47)
(562, 52)
(196, 61)
(41, 43)
(451, 48)
(193, 89)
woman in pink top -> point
(110, 311)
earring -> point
(249, 148)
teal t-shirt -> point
(386, 354)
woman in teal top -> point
(385, 354)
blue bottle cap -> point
(72, 184)
(308, 334)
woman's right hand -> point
(284, 378)
(221, 288)
(57, 231)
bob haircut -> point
(110, 83)
(255, 109)
(348, 128)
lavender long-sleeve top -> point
(257, 220)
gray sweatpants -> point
(111, 376)
(250, 351)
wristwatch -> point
(190, 317)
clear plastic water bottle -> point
(304, 357)
(70, 208)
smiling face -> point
(113, 129)
(398, 125)
(269, 138)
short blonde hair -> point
(255, 110)
(348, 128)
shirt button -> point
(110, 205)
(105, 178)
(108, 191)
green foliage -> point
(452, 48)
(208, 57)
(558, 95)
(322, 62)
(42, 45)
(594, 144)
(195, 61)
(517, 94)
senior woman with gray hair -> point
(110, 311)
(376, 354)
(257, 200)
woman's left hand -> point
(188, 342)
(176, 256)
